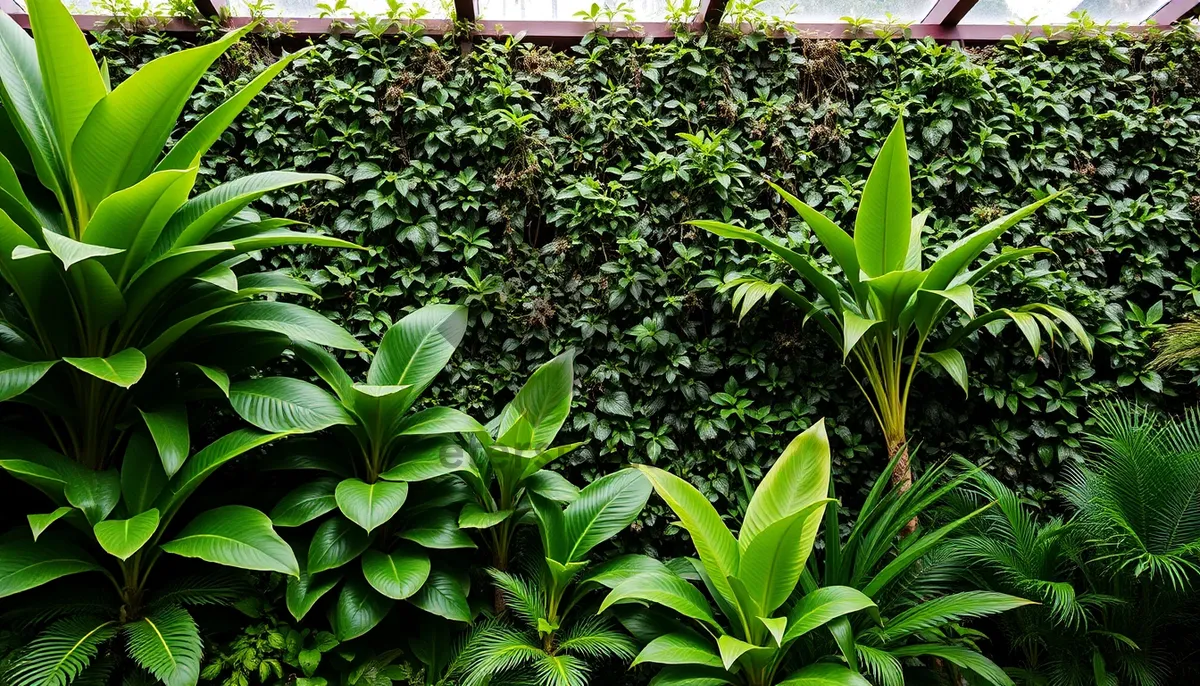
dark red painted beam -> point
(948, 12)
(711, 11)
(210, 8)
(1172, 12)
(465, 10)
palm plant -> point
(750, 578)
(381, 451)
(119, 293)
(510, 458)
(554, 640)
(912, 584)
(1116, 581)
(886, 303)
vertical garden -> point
(727, 358)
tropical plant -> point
(386, 496)
(913, 584)
(552, 639)
(510, 458)
(1179, 344)
(1116, 582)
(120, 304)
(885, 304)
(750, 578)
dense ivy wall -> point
(547, 190)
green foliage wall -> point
(547, 190)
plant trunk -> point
(902, 478)
(499, 602)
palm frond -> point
(595, 637)
(881, 666)
(524, 597)
(560, 670)
(495, 649)
(938, 612)
(166, 643)
(223, 587)
(61, 653)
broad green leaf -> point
(717, 547)
(733, 648)
(70, 76)
(28, 564)
(825, 674)
(892, 292)
(142, 475)
(428, 459)
(282, 404)
(205, 462)
(952, 361)
(962, 295)
(188, 151)
(24, 100)
(397, 575)
(71, 252)
(773, 561)
(279, 281)
(854, 328)
(692, 675)
(169, 428)
(305, 503)
(40, 522)
(305, 590)
(543, 402)
(326, 366)
(220, 276)
(438, 420)
(839, 243)
(18, 376)
(822, 605)
(679, 649)
(883, 227)
(336, 542)
(776, 626)
(444, 596)
(122, 538)
(1071, 322)
(124, 134)
(551, 485)
(217, 376)
(414, 350)
(664, 588)
(235, 536)
(614, 572)
(603, 509)
(798, 478)
(475, 517)
(37, 279)
(370, 505)
(1029, 327)
(96, 493)
(359, 609)
(123, 369)
(437, 529)
(166, 642)
(296, 322)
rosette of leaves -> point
(547, 636)
(119, 292)
(882, 303)
(750, 579)
(913, 584)
(386, 500)
(510, 458)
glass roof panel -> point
(565, 10)
(1058, 11)
(825, 11)
(308, 8)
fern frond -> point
(224, 587)
(167, 643)
(560, 670)
(494, 649)
(524, 597)
(881, 666)
(61, 653)
(595, 637)
(1179, 344)
(951, 608)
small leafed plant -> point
(119, 291)
(386, 496)
(885, 303)
(751, 579)
(555, 638)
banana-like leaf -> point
(95, 492)
(428, 459)
(18, 376)
(823, 605)
(952, 361)
(883, 226)
(603, 509)
(205, 462)
(169, 428)
(438, 420)
(23, 96)
(121, 538)
(28, 564)
(132, 219)
(798, 478)
(235, 536)
(123, 369)
(665, 588)
(679, 649)
(473, 516)
(293, 321)
(839, 243)
(825, 674)
(543, 403)
(70, 77)
(773, 561)
(733, 649)
(282, 404)
(414, 350)
(306, 503)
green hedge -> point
(547, 190)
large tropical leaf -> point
(70, 77)
(398, 574)
(282, 404)
(18, 376)
(236, 536)
(798, 478)
(543, 402)
(604, 508)
(821, 606)
(825, 674)
(205, 462)
(169, 428)
(296, 322)
(679, 649)
(305, 590)
(414, 350)
(883, 227)
(359, 609)
(665, 588)
(336, 542)
(23, 96)
(444, 596)
(370, 505)
(122, 538)
(306, 503)
(123, 369)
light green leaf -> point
(475, 517)
(952, 361)
(235, 536)
(282, 404)
(414, 350)
(883, 227)
(305, 503)
(370, 505)
(603, 509)
(40, 522)
(122, 538)
(28, 564)
(543, 403)
(777, 626)
(428, 459)
(664, 588)
(397, 575)
(825, 674)
(18, 376)
(1029, 327)
(821, 606)
(798, 478)
(733, 648)
(774, 560)
(169, 428)
(96, 493)
(962, 295)
(296, 322)
(839, 243)
(24, 99)
(71, 252)
(854, 328)
(123, 369)
(679, 649)
(438, 420)
(70, 75)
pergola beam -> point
(465, 10)
(948, 12)
(210, 8)
(711, 12)
(1172, 12)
